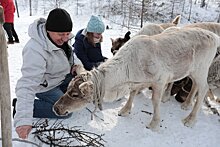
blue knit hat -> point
(95, 25)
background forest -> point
(131, 13)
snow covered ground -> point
(123, 131)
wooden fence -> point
(5, 98)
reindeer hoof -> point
(153, 127)
(165, 99)
(185, 106)
(100, 107)
(189, 121)
(123, 112)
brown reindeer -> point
(73, 92)
(117, 43)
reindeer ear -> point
(86, 88)
(112, 40)
(176, 20)
(127, 36)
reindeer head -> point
(79, 94)
(117, 43)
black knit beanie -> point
(59, 20)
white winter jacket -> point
(44, 67)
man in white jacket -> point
(46, 70)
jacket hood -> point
(37, 32)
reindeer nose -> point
(66, 113)
(56, 110)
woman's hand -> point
(76, 69)
(73, 70)
(23, 131)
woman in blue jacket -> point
(87, 46)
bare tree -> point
(173, 4)
(218, 20)
(123, 12)
(190, 10)
(142, 13)
(183, 5)
(57, 3)
(202, 3)
(30, 7)
(77, 7)
(16, 4)
(195, 2)
(130, 14)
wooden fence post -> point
(5, 98)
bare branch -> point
(59, 135)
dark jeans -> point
(10, 30)
(43, 106)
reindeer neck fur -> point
(98, 88)
(119, 73)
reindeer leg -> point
(189, 100)
(202, 90)
(156, 98)
(167, 93)
(218, 100)
(127, 107)
(212, 97)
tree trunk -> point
(5, 98)
(218, 21)
(195, 2)
(142, 13)
(16, 4)
(183, 5)
(172, 8)
(202, 4)
(30, 7)
(190, 10)
(130, 14)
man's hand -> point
(23, 131)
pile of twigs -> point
(59, 135)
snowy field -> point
(118, 131)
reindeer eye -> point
(74, 94)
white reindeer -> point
(148, 61)
(154, 29)
(215, 28)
